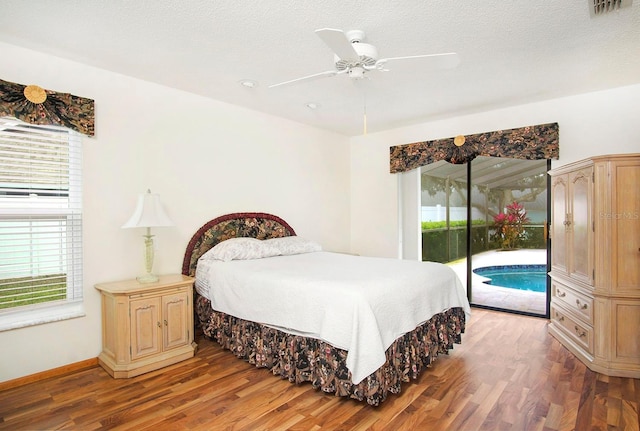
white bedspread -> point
(360, 304)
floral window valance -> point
(532, 143)
(35, 105)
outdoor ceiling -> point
(511, 52)
(493, 172)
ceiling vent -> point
(602, 7)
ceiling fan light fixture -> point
(356, 72)
(368, 55)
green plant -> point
(431, 225)
(509, 225)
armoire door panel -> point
(626, 229)
(580, 226)
(559, 224)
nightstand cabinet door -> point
(145, 327)
(175, 322)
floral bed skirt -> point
(302, 359)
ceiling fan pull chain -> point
(365, 120)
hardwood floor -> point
(508, 374)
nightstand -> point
(146, 326)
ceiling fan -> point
(355, 58)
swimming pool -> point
(521, 277)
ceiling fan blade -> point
(447, 60)
(326, 74)
(338, 42)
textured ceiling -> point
(511, 52)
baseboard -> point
(55, 372)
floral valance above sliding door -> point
(531, 143)
(35, 105)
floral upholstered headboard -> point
(254, 225)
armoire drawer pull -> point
(560, 293)
(580, 333)
(581, 306)
(559, 317)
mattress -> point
(359, 304)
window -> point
(40, 224)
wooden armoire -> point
(595, 262)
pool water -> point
(522, 277)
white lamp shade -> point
(149, 212)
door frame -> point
(547, 314)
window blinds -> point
(40, 214)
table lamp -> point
(148, 213)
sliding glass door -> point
(487, 220)
(444, 215)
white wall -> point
(205, 159)
(604, 122)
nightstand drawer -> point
(577, 303)
(579, 332)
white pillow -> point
(288, 245)
(240, 249)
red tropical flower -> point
(509, 225)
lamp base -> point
(147, 278)
(148, 260)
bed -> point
(351, 333)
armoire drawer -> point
(577, 303)
(582, 334)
